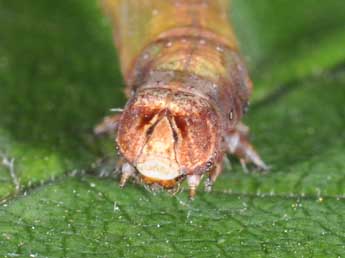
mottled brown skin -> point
(194, 124)
(188, 90)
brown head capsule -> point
(188, 90)
(167, 134)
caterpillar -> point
(187, 89)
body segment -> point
(187, 86)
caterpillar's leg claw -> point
(127, 172)
(108, 125)
(238, 144)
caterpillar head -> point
(168, 134)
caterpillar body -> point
(187, 90)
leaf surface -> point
(91, 217)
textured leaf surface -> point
(94, 218)
(59, 76)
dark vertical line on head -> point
(173, 128)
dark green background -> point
(59, 75)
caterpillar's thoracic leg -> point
(108, 125)
(193, 183)
(238, 144)
(212, 177)
(127, 171)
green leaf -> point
(90, 217)
(284, 41)
(59, 75)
